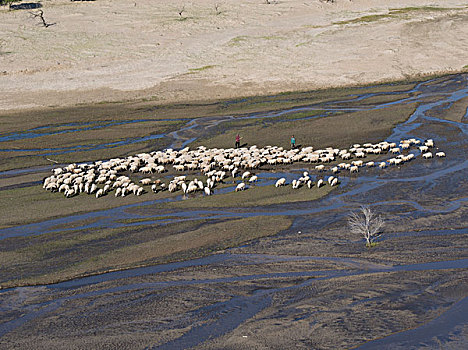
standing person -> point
(238, 138)
(293, 142)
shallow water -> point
(429, 335)
(421, 180)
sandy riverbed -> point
(119, 50)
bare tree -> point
(181, 11)
(217, 10)
(366, 223)
(40, 14)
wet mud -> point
(313, 285)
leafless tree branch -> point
(217, 10)
(366, 223)
(40, 14)
(181, 10)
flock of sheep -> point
(217, 164)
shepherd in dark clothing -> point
(238, 138)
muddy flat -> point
(268, 268)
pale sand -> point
(112, 50)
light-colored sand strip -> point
(112, 50)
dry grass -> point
(42, 263)
(255, 196)
(362, 126)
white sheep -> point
(320, 183)
(145, 181)
(427, 155)
(440, 154)
(240, 187)
(253, 178)
(320, 167)
(280, 182)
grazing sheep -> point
(404, 146)
(145, 181)
(172, 187)
(296, 184)
(320, 183)
(427, 155)
(253, 179)
(70, 193)
(93, 188)
(192, 187)
(334, 182)
(207, 191)
(320, 167)
(429, 143)
(240, 187)
(214, 163)
(280, 182)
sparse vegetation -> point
(393, 13)
(200, 69)
(7, 2)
